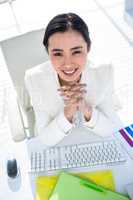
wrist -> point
(88, 114)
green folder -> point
(71, 187)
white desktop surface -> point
(23, 187)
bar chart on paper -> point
(125, 136)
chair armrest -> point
(15, 119)
(30, 121)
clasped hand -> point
(74, 100)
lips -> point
(69, 72)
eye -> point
(58, 54)
(76, 52)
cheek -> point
(81, 60)
(55, 62)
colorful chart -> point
(127, 134)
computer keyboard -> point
(77, 156)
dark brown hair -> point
(64, 22)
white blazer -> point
(51, 125)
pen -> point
(92, 186)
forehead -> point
(66, 39)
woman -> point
(69, 83)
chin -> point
(71, 79)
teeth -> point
(69, 72)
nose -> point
(67, 61)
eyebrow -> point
(74, 48)
(57, 50)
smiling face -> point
(68, 54)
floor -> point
(112, 38)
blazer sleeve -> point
(47, 129)
(104, 120)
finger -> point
(79, 94)
(69, 87)
(66, 99)
(78, 87)
(72, 102)
(71, 93)
(66, 93)
(75, 100)
(79, 84)
(64, 88)
(73, 97)
(69, 103)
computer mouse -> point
(12, 168)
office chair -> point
(20, 53)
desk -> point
(23, 187)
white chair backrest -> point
(23, 52)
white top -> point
(51, 124)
